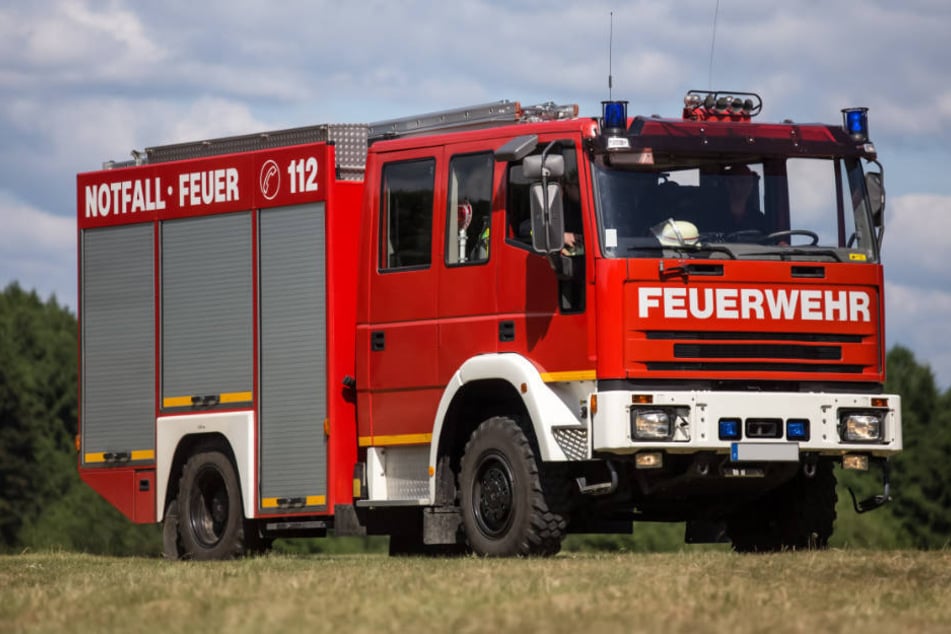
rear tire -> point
(799, 515)
(171, 541)
(504, 510)
(211, 522)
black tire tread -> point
(546, 528)
(232, 544)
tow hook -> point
(872, 503)
(599, 488)
(809, 465)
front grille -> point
(733, 366)
(756, 351)
(700, 335)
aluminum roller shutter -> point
(293, 356)
(207, 309)
(118, 343)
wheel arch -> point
(495, 385)
(180, 437)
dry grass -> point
(833, 591)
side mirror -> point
(541, 166)
(548, 217)
(876, 196)
(517, 149)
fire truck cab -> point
(483, 329)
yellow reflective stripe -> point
(399, 439)
(310, 500)
(572, 375)
(138, 454)
(177, 401)
(223, 398)
(235, 397)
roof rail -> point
(469, 117)
(352, 139)
(483, 115)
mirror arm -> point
(545, 196)
(881, 227)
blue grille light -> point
(855, 122)
(797, 429)
(729, 428)
(614, 115)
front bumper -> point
(768, 424)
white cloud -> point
(71, 41)
(917, 227)
(38, 248)
(918, 319)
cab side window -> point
(406, 214)
(469, 209)
(518, 222)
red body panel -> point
(130, 490)
(771, 323)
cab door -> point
(400, 390)
(546, 318)
(466, 299)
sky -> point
(86, 81)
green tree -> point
(43, 503)
(37, 406)
(922, 472)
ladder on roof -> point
(469, 118)
(352, 139)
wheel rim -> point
(493, 495)
(209, 507)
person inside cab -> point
(574, 243)
(739, 203)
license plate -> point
(764, 452)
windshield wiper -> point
(686, 249)
(782, 252)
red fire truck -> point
(485, 328)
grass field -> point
(690, 591)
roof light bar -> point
(712, 105)
(548, 111)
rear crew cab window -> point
(406, 212)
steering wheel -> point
(744, 235)
(812, 235)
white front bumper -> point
(698, 429)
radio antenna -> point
(610, 55)
(713, 44)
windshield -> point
(797, 208)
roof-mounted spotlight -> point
(855, 122)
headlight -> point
(864, 427)
(651, 424)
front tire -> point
(504, 510)
(211, 517)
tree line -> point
(43, 503)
